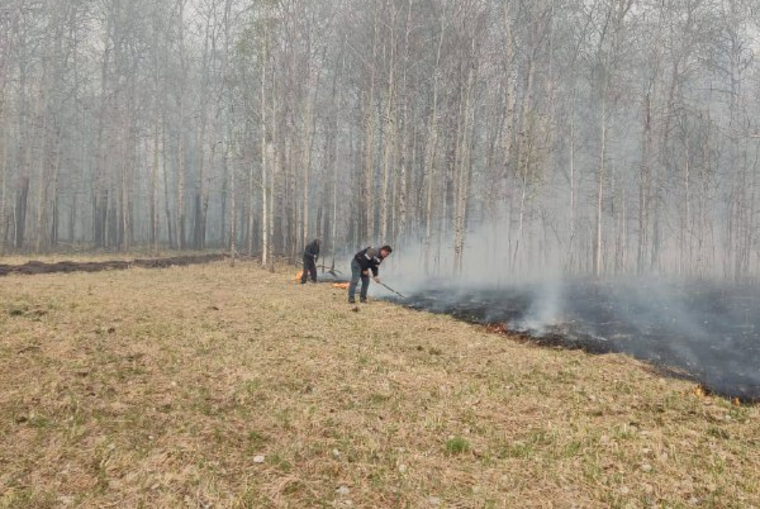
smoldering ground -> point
(706, 329)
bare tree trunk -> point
(4, 134)
(100, 190)
(43, 164)
(233, 217)
(199, 221)
(264, 202)
(272, 160)
(53, 238)
(368, 195)
(430, 174)
(308, 140)
(684, 255)
(181, 236)
(154, 193)
(22, 197)
(465, 167)
(523, 152)
(645, 186)
(181, 189)
(266, 232)
(3, 177)
(389, 134)
(598, 261)
(573, 189)
(167, 198)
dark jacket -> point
(312, 251)
(369, 259)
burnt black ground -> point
(35, 267)
(705, 331)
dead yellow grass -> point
(210, 386)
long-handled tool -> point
(336, 273)
(391, 289)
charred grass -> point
(209, 386)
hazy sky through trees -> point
(592, 136)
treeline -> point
(609, 136)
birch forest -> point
(609, 136)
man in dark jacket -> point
(364, 262)
(310, 257)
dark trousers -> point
(309, 268)
(356, 275)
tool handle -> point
(391, 290)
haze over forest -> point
(598, 136)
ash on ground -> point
(705, 331)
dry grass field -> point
(211, 386)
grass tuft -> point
(457, 445)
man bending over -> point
(364, 262)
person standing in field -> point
(364, 262)
(310, 257)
